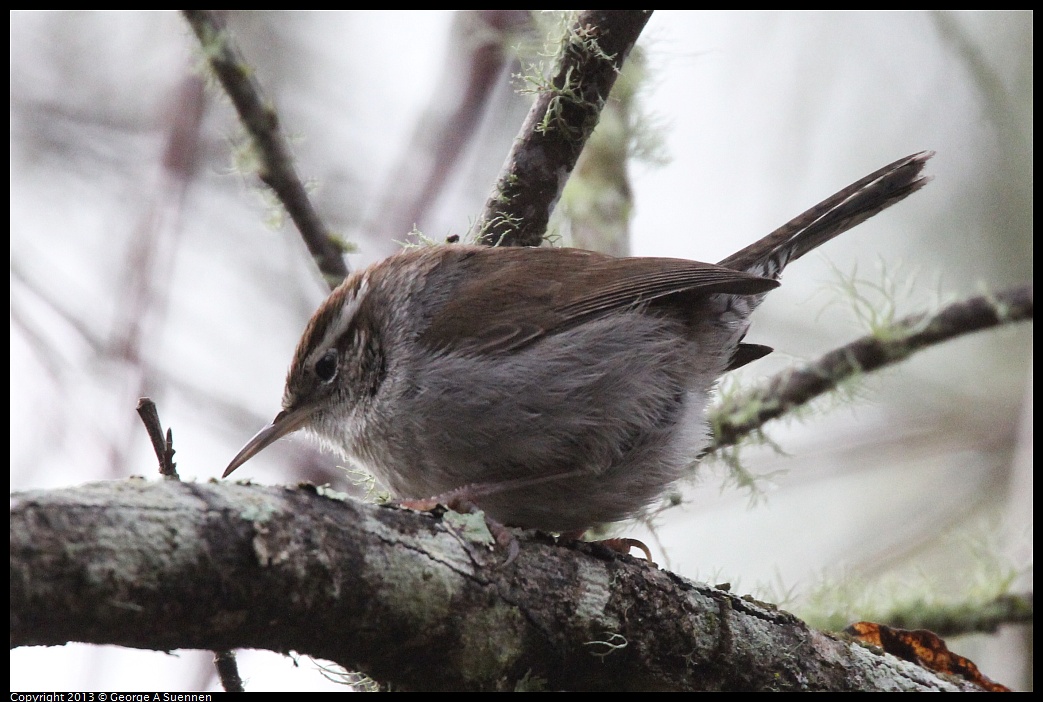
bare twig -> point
(558, 125)
(164, 447)
(262, 122)
(748, 412)
(228, 671)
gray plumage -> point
(556, 389)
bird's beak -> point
(286, 422)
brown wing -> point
(521, 294)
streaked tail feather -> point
(831, 217)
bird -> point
(552, 388)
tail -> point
(851, 206)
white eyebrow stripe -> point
(343, 321)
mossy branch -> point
(745, 413)
(558, 125)
(397, 594)
(261, 121)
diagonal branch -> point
(558, 125)
(262, 122)
(465, 93)
(748, 412)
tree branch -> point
(477, 62)
(262, 122)
(162, 445)
(960, 619)
(400, 595)
(558, 125)
(748, 412)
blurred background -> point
(146, 259)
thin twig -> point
(558, 125)
(164, 447)
(228, 671)
(262, 122)
(748, 412)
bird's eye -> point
(326, 367)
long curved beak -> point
(286, 422)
